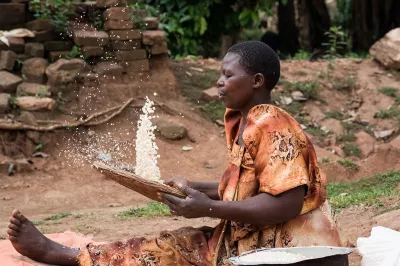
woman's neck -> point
(260, 99)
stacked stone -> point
(91, 43)
(126, 42)
(153, 38)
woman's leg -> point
(30, 242)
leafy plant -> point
(351, 149)
(346, 138)
(57, 11)
(345, 83)
(336, 42)
(42, 92)
(393, 112)
(334, 114)
(389, 91)
(75, 53)
(300, 55)
(308, 88)
(349, 164)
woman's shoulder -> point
(267, 116)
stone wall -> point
(41, 66)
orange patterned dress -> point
(277, 156)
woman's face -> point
(235, 85)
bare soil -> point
(60, 184)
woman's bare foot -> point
(30, 242)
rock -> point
(117, 13)
(56, 46)
(210, 94)
(54, 56)
(34, 136)
(161, 48)
(126, 45)
(395, 143)
(64, 71)
(365, 143)
(286, 100)
(30, 103)
(34, 49)
(151, 23)
(108, 68)
(7, 60)
(387, 49)
(170, 130)
(110, 3)
(27, 118)
(43, 36)
(9, 82)
(314, 112)
(135, 66)
(12, 14)
(118, 25)
(152, 37)
(74, 26)
(34, 70)
(40, 25)
(130, 55)
(10, 166)
(4, 102)
(40, 154)
(338, 151)
(187, 148)
(91, 38)
(383, 134)
(125, 35)
(92, 51)
(16, 44)
(298, 96)
(220, 123)
(332, 125)
(33, 89)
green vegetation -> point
(308, 88)
(349, 164)
(316, 131)
(57, 11)
(345, 83)
(352, 127)
(389, 91)
(351, 149)
(152, 209)
(393, 112)
(75, 53)
(57, 216)
(364, 191)
(325, 160)
(36, 223)
(214, 110)
(300, 55)
(346, 138)
(334, 114)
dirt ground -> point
(61, 183)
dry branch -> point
(8, 124)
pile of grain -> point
(272, 257)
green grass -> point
(343, 83)
(346, 138)
(334, 114)
(364, 191)
(352, 127)
(294, 108)
(37, 222)
(398, 99)
(57, 216)
(316, 131)
(214, 110)
(389, 91)
(308, 88)
(349, 164)
(351, 149)
(300, 55)
(152, 209)
(325, 160)
(393, 112)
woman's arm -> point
(259, 210)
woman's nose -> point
(220, 82)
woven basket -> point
(136, 183)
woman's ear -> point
(258, 81)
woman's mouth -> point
(221, 95)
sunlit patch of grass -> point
(351, 149)
(57, 216)
(364, 191)
(152, 209)
(349, 164)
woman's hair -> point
(258, 57)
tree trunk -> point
(288, 32)
(372, 19)
(313, 21)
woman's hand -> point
(175, 181)
(195, 205)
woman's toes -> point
(21, 217)
(12, 232)
(13, 227)
(15, 221)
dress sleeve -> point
(279, 149)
